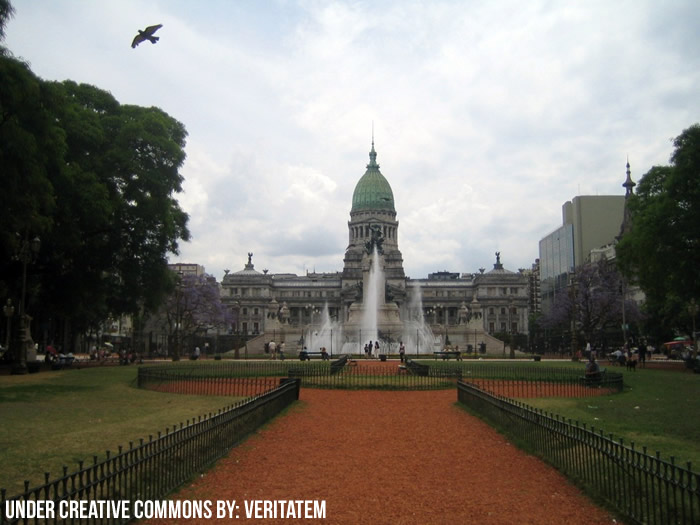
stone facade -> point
(462, 309)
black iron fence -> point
(243, 378)
(209, 379)
(150, 469)
(642, 487)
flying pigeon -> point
(146, 34)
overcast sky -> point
(488, 115)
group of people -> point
(275, 350)
(372, 350)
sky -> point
(487, 115)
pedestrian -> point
(376, 349)
(402, 351)
(273, 347)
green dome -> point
(372, 191)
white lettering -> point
(32, 509)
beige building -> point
(461, 308)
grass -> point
(658, 409)
(58, 418)
(54, 419)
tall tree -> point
(6, 12)
(662, 250)
(192, 308)
(594, 303)
(118, 216)
(97, 181)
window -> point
(504, 291)
(492, 328)
(503, 311)
(245, 311)
(514, 328)
(514, 291)
(256, 311)
(503, 327)
(492, 311)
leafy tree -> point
(97, 181)
(6, 12)
(193, 308)
(31, 153)
(596, 305)
(662, 250)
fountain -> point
(376, 320)
(417, 335)
(328, 334)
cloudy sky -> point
(487, 115)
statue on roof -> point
(250, 257)
(376, 239)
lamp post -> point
(178, 295)
(574, 315)
(9, 311)
(27, 253)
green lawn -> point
(57, 418)
(658, 409)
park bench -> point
(447, 354)
(63, 361)
(305, 355)
(417, 368)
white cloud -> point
(488, 116)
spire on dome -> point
(373, 154)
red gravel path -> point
(392, 457)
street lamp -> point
(178, 295)
(9, 311)
(27, 253)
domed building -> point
(460, 309)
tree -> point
(661, 252)
(6, 12)
(192, 308)
(594, 303)
(97, 181)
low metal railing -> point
(642, 487)
(152, 468)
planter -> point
(537, 357)
(217, 357)
(382, 357)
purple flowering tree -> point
(192, 309)
(594, 303)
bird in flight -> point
(146, 34)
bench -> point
(447, 354)
(306, 356)
(63, 361)
(402, 369)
